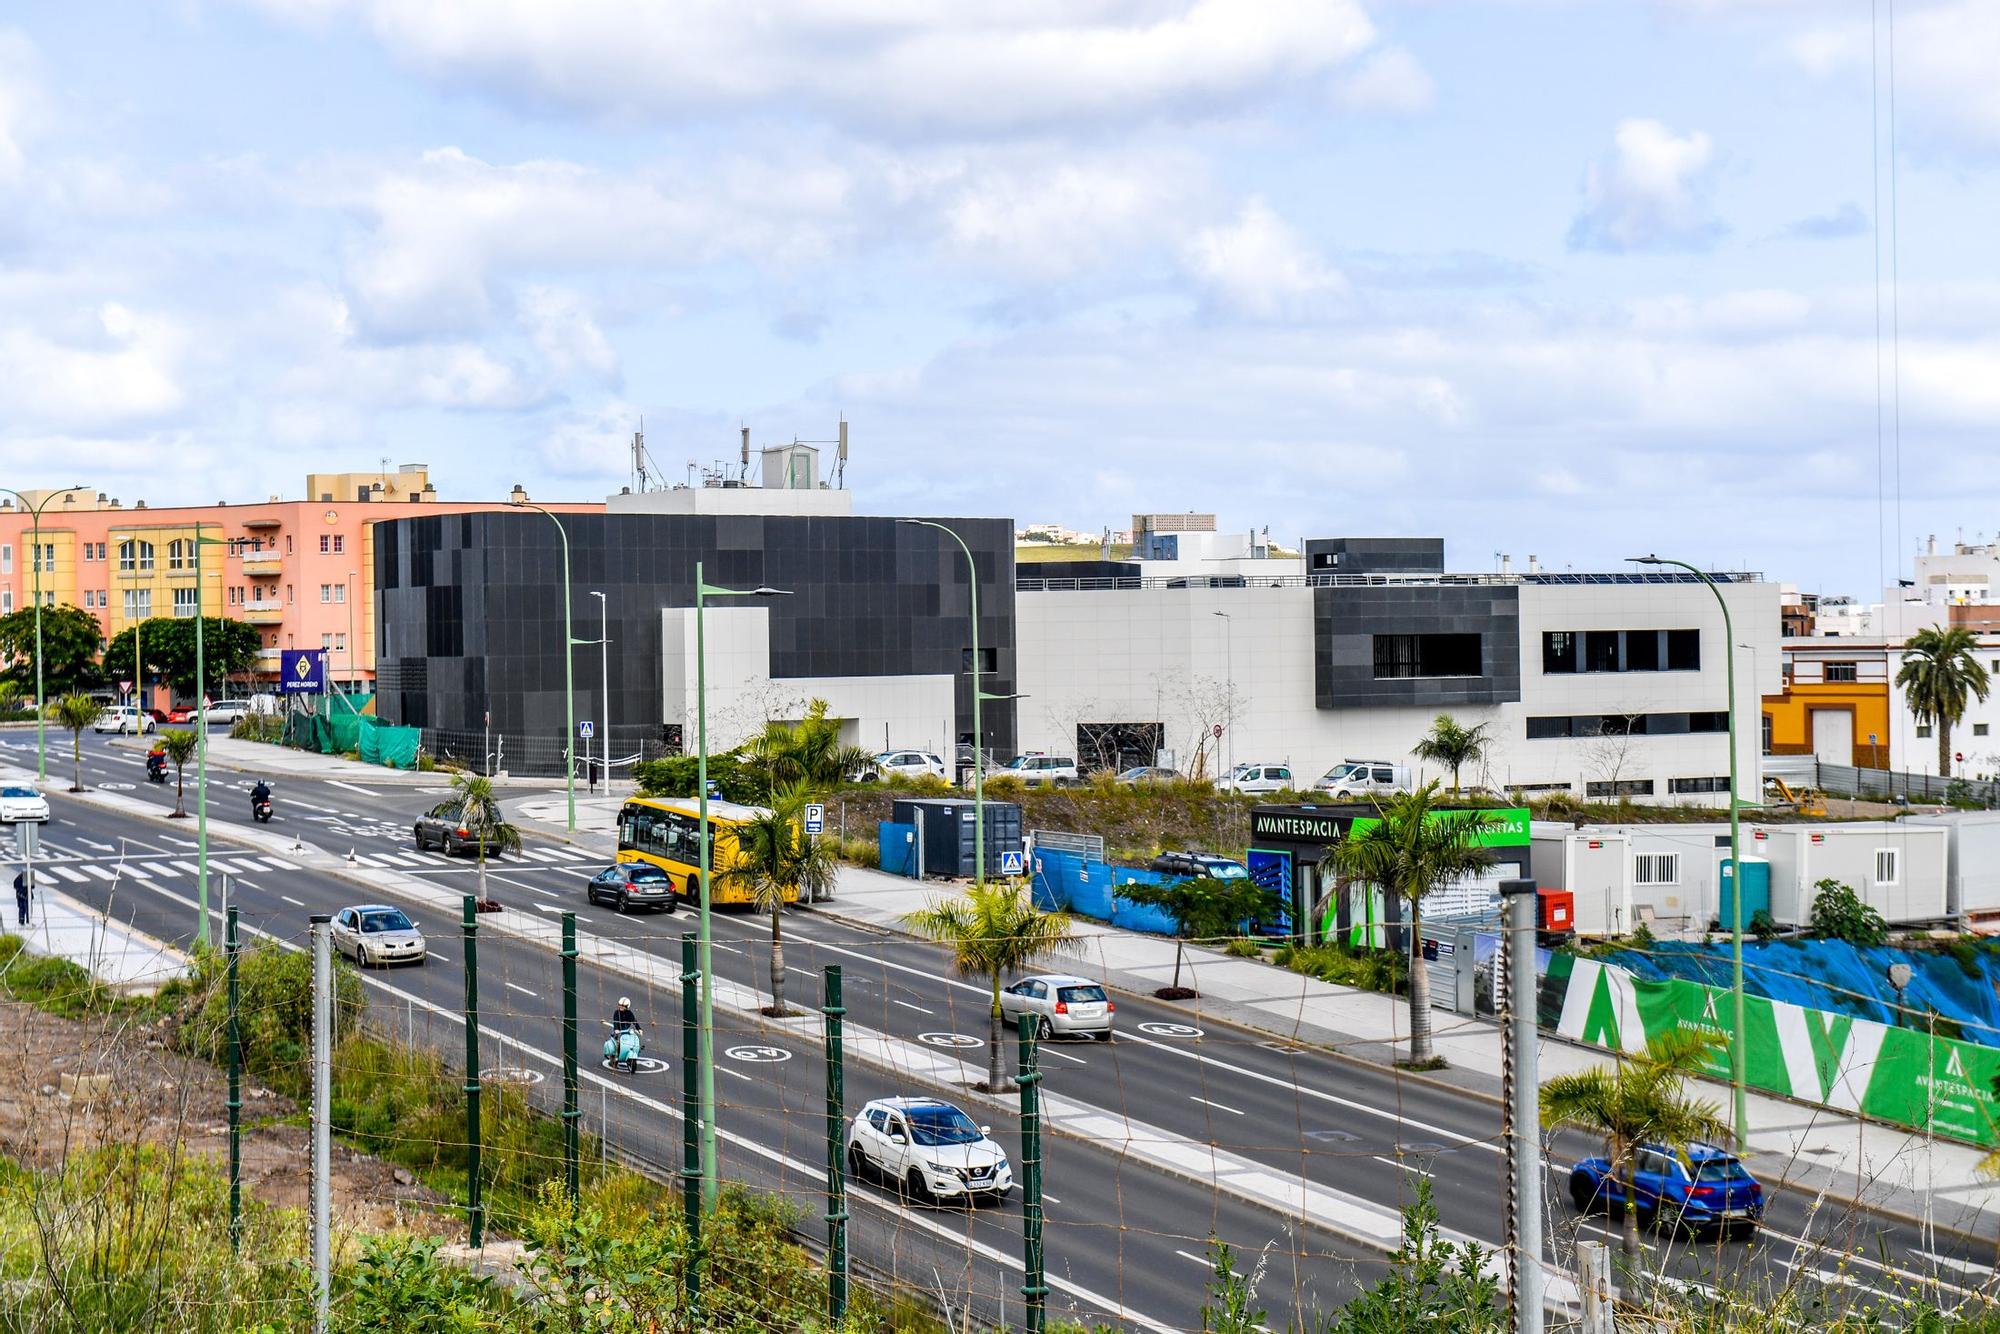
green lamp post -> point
(41, 705)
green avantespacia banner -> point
(1898, 1075)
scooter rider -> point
(622, 1018)
(156, 759)
(259, 794)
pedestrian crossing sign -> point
(1010, 863)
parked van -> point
(1364, 778)
(1259, 779)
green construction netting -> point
(395, 747)
(352, 726)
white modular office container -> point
(1594, 866)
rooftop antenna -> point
(840, 458)
(746, 454)
(640, 459)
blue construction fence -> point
(896, 848)
(1071, 882)
(1845, 979)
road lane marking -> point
(1398, 1163)
(1218, 1106)
(98, 871)
(906, 1005)
(523, 990)
(289, 899)
(335, 782)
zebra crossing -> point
(79, 870)
(414, 860)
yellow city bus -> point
(666, 832)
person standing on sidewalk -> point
(21, 896)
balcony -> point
(270, 655)
(263, 523)
(263, 613)
(262, 562)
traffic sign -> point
(124, 687)
(815, 817)
(1218, 729)
(586, 729)
(1010, 863)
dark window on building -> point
(1625, 724)
(1402, 656)
(989, 660)
(1685, 785)
(1767, 734)
(1841, 671)
(1717, 721)
(1549, 729)
(1566, 651)
(1624, 787)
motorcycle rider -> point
(156, 758)
(259, 794)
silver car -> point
(375, 934)
(1066, 1006)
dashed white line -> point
(1218, 1106)
(289, 899)
(523, 990)
(1047, 1050)
(335, 782)
(1398, 1163)
(906, 1005)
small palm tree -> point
(1640, 1101)
(809, 751)
(1416, 848)
(992, 931)
(480, 816)
(1938, 675)
(180, 748)
(1453, 746)
(76, 712)
(776, 862)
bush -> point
(274, 1014)
(51, 984)
(1839, 914)
(267, 727)
(1243, 948)
(738, 778)
(860, 852)
(1762, 926)
(1369, 970)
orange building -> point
(1836, 704)
(301, 571)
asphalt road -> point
(1345, 1125)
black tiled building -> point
(471, 610)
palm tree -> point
(776, 862)
(1638, 1102)
(995, 929)
(76, 712)
(480, 816)
(1939, 672)
(180, 748)
(1417, 847)
(809, 751)
(1453, 746)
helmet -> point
(624, 1002)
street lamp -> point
(1736, 1054)
(41, 705)
(569, 667)
(979, 696)
(1229, 682)
(703, 591)
(604, 681)
(201, 746)
(352, 577)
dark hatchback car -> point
(632, 885)
(440, 827)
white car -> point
(226, 711)
(1068, 1006)
(23, 805)
(928, 1148)
(1258, 778)
(123, 718)
(1363, 778)
(1036, 770)
(910, 764)
(377, 934)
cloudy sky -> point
(1570, 277)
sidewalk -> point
(118, 955)
(260, 757)
(1809, 1148)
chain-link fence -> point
(1845, 780)
(542, 756)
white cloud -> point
(1650, 193)
(1259, 267)
(119, 367)
(1035, 216)
(921, 66)
(1389, 80)
(1947, 64)
(563, 330)
(20, 102)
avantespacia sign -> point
(1899, 1075)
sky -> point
(1576, 278)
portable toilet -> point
(1756, 891)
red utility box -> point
(1558, 911)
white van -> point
(1258, 779)
(1364, 778)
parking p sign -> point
(815, 817)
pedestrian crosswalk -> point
(413, 860)
(78, 872)
(62, 864)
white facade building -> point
(1605, 685)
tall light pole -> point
(1736, 1054)
(41, 705)
(604, 681)
(352, 577)
(569, 669)
(1229, 683)
(201, 746)
(979, 696)
(703, 591)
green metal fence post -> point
(1034, 1291)
(475, 1212)
(836, 1171)
(572, 1114)
(234, 948)
(691, 1111)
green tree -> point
(1838, 913)
(1204, 908)
(71, 639)
(180, 747)
(1453, 746)
(76, 712)
(809, 751)
(1940, 673)
(778, 862)
(479, 814)
(1432, 1283)
(993, 930)
(1639, 1101)
(229, 648)
(1416, 848)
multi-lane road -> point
(1287, 1153)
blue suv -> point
(1703, 1188)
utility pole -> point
(322, 1067)
(475, 1213)
(1524, 1141)
(692, 1117)
(234, 946)
(604, 682)
(836, 1169)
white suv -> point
(1258, 778)
(1036, 770)
(928, 1148)
(121, 719)
(910, 764)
